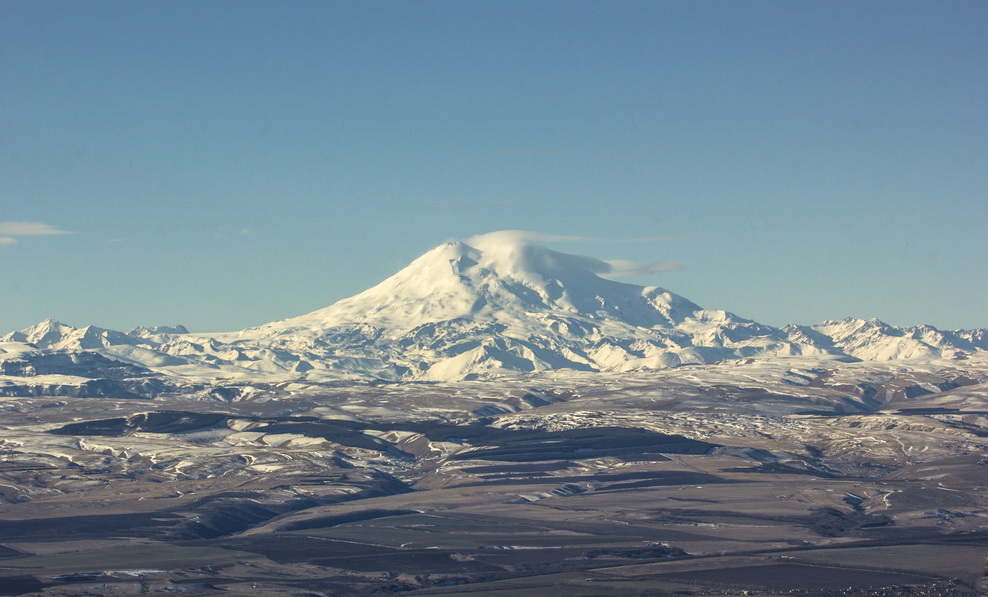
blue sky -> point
(223, 164)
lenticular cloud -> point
(611, 268)
(619, 268)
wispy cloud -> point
(620, 268)
(515, 236)
(29, 229)
(528, 235)
(10, 230)
(611, 268)
(656, 239)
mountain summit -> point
(498, 303)
(496, 277)
(492, 305)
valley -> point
(496, 419)
(771, 476)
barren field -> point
(770, 478)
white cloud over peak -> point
(516, 236)
(609, 268)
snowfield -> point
(493, 306)
(498, 416)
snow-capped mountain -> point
(491, 305)
(875, 340)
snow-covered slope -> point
(875, 340)
(491, 305)
(497, 304)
